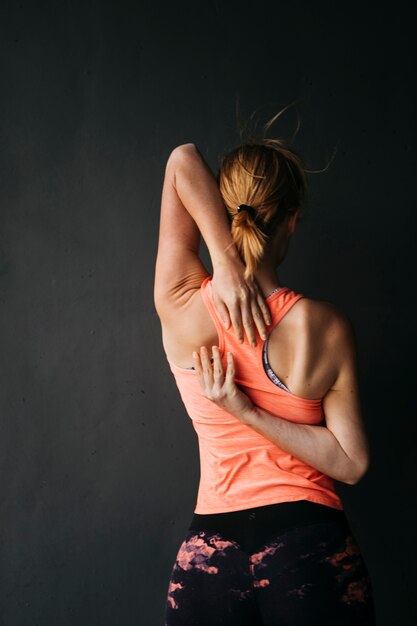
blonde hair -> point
(271, 177)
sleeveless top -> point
(240, 468)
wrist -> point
(249, 416)
(224, 256)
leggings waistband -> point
(257, 524)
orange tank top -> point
(239, 468)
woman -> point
(277, 416)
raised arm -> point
(192, 204)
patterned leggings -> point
(249, 568)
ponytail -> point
(250, 240)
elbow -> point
(185, 153)
(357, 472)
(184, 149)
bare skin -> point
(191, 202)
(312, 350)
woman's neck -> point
(267, 280)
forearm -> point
(314, 445)
(198, 191)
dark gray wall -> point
(99, 462)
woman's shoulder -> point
(307, 345)
(324, 317)
(321, 308)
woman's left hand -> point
(218, 387)
(239, 300)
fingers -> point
(217, 367)
(224, 314)
(260, 310)
(230, 371)
(259, 319)
(197, 364)
(211, 375)
(248, 313)
(236, 316)
(248, 320)
(254, 313)
(264, 310)
(206, 366)
(208, 370)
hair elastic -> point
(248, 208)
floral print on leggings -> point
(310, 575)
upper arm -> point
(341, 404)
(179, 270)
